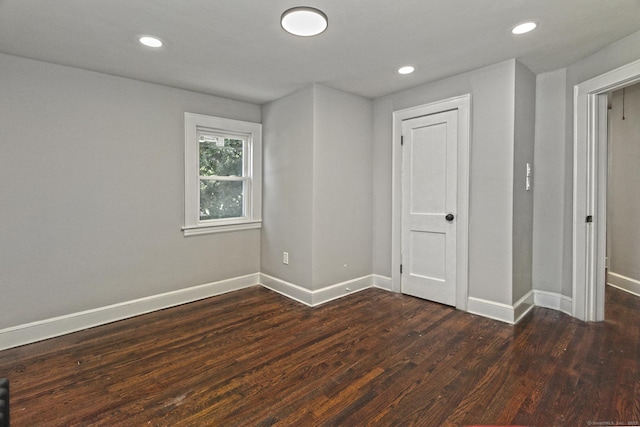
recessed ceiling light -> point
(304, 21)
(407, 69)
(150, 41)
(525, 27)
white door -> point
(429, 183)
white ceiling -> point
(237, 49)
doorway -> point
(460, 106)
(623, 183)
(590, 189)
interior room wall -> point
(342, 187)
(92, 192)
(623, 201)
(381, 178)
(318, 191)
(492, 92)
(548, 178)
(524, 137)
(287, 198)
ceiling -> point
(237, 49)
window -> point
(223, 168)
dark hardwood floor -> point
(255, 358)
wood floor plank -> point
(255, 358)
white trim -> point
(554, 301)
(289, 290)
(523, 306)
(463, 105)
(197, 231)
(511, 314)
(61, 325)
(326, 294)
(49, 328)
(330, 293)
(490, 309)
(589, 188)
(624, 283)
(382, 282)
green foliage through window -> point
(221, 156)
(220, 199)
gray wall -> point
(524, 137)
(623, 229)
(342, 187)
(547, 153)
(381, 179)
(548, 182)
(491, 174)
(317, 187)
(92, 192)
(287, 198)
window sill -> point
(211, 229)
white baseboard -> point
(523, 306)
(326, 294)
(490, 309)
(338, 290)
(553, 301)
(624, 283)
(287, 289)
(49, 328)
(511, 314)
(382, 282)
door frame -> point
(590, 188)
(463, 105)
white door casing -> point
(429, 187)
(462, 105)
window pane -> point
(220, 156)
(221, 199)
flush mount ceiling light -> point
(304, 21)
(523, 28)
(407, 69)
(150, 41)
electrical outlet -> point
(285, 257)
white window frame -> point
(252, 134)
